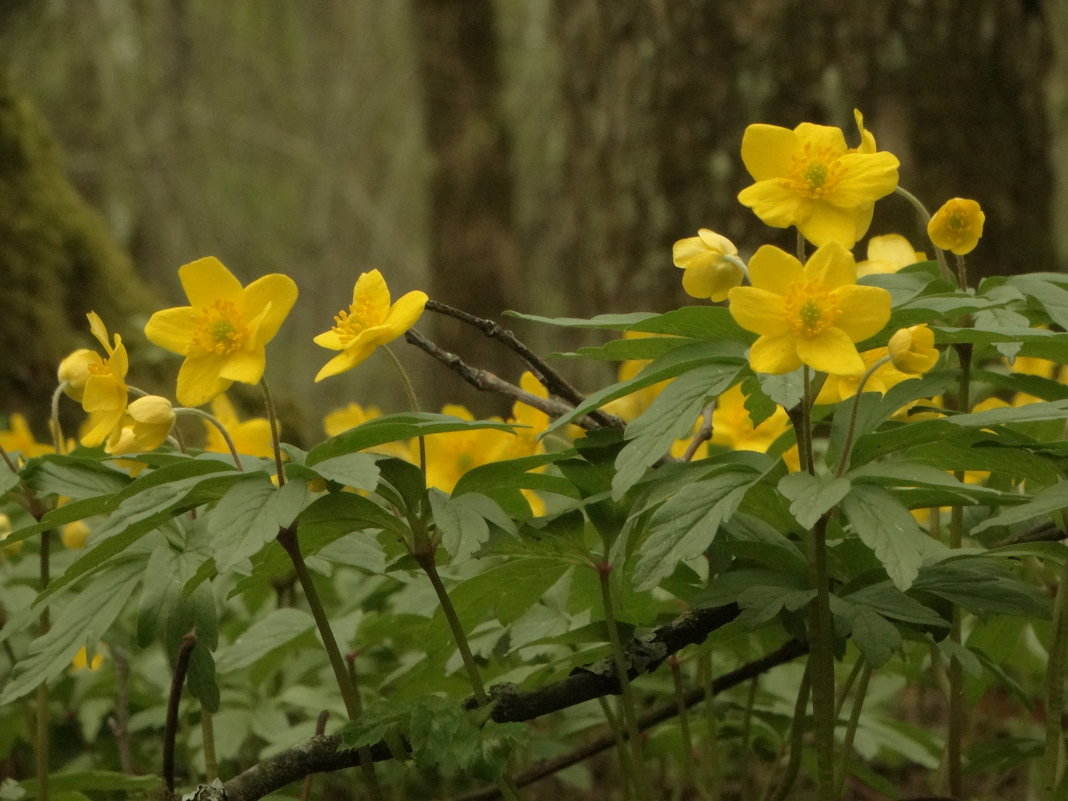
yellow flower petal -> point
(774, 202)
(866, 310)
(866, 176)
(766, 150)
(207, 280)
(957, 226)
(831, 265)
(371, 296)
(759, 311)
(830, 351)
(171, 329)
(275, 294)
(773, 269)
(199, 379)
(774, 354)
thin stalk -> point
(413, 399)
(821, 660)
(684, 724)
(747, 738)
(367, 764)
(847, 685)
(797, 732)
(712, 761)
(801, 248)
(630, 715)
(57, 429)
(219, 427)
(207, 731)
(320, 728)
(272, 416)
(851, 728)
(925, 217)
(622, 751)
(847, 446)
(41, 738)
(170, 730)
(1053, 754)
(120, 723)
(287, 538)
(808, 457)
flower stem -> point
(847, 446)
(170, 730)
(630, 716)
(821, 660)
(413, 399)
(925, 217)
(797, 732)
(684, 724)
(207, 730)
(287, 538)
(1052, 758)
(367, 765)
(41, 738)
(275, 438)
(218, 425)
(851, 729)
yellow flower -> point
(912, 349)
(370, 321)
(74, 535)
(104, 393)
(223, 332)
(148, 423)
(251, 437)
(809, 178)
(733, 428)
(957, 226)
(5, 531)
(888, 254)
(808, 315)
(710, 263)
(75, 370)
(842, 387)
(81, 661)
(18, 438)
(341, 420)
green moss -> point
(58, 261)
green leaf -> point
(812, 496)
(900, 436)
(642, 349)
(1049, 293)
(886, 599)
(250, 515)
(1046, 410)
(82, 621)
(916, 474)
(394, 428)
(786, 389)
(607, 322)
(687, 523)
(356, 470)
(886, 526)
(460, 520)
(72, 781)
(877, 638)
(271, 632)
(1051, 499)
(671, 416)
(698, 322)
(982, 586)
(72, 476)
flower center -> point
(219, 329)
(360, 316)
(811, 309)
(814, 171)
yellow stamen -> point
(814, 172)
(219, 329)
(810, 309)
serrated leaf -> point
(250, 515)
(687, 524)
(670, 416)
(877, 638)
(886, 526)
(982, 586)
(1051, 499)
(83, 620)
(786, 389)
(1051, 295)
(271, 632)
(463, 529)
(812, 496)
(72, 476)
(698, 322)
(607, 322)
(394, 428)
(1032, 412)
(356, 470)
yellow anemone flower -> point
(842, 387)
(148, 423)
(251, 437)
(370, 321)
(223, 332)
(74, 372)
(808, 315)
(957, 226)
(733, 428)
(888, 254)
(710, 264)
(912, 349)
(18, 438)
(809, 178)
(104, 393)
(81, 661)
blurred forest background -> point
(537, 155)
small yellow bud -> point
(912, 349)
(75, 370)
(957, 226)
(711, 265)
(74, 535)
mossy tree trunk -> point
(58, 261)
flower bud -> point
(957, 226)
(912, 349)
(711, 265)
(75, 370)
